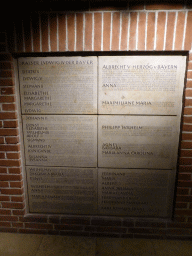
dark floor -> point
(44, 245)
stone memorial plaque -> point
(101, 134)
(138, 142)
(149, 85)
(60, 140)
(58, 85)
(136, 192)
(62, 190)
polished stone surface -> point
(41, 245)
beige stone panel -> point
(58, 85)
(147, 85)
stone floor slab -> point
(66, 246)
(124, 247)
(19, 244)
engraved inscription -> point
(133, 192)
(53, 85)
(62, 190)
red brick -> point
(106, 30)
(164, 6)
(189, 66)
(68, 227)
(188, 35)
(19, 212)
(111, 229)
(9, 177)
(184, 176)
(62, 31)
(76, 220)
(185, 161)
(179, 30)
(2, 155)
(9, 147)
(15, 170)
(7, 90)
(185, 168)
(44, 29)
(7, 99)
(189, 74)
(17, 225)
(8, 107)
(8, 115)
(188, 102)
(102, 222)
(184, 199)
(36, 32)
(97, 31)
(124, 31)
(185, 184)
(9, 218)
(115, 31)
(3, 170)
(12, 191)
(70, 31)
(79, 33)
(187, 119)
(150, 31)
(6, 73)
(5, 224)
(183, 212)
(152, 224)
(4, 198)
(53, 31)
(12, 205)
(188, 93)
(186, 136)
(88, 31)
(16, 184)
(8, 230)
(6, 82)
(186, 145)
(17, 198)
(6, 65)
(186, 153)
(33, 219)
(9, 132)
(187, 111)
(180, 219)
(170, 30)
(4, 184)
(5, 212)
(133, 25)
(38, 226)
(11, 124)
(189, 84)
(2, 140)
(141, 31)
(13, 155)
(178, 225)
(12, 140)
(181, 205)
(182, 191)
(54, 220)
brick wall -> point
(138, 28)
